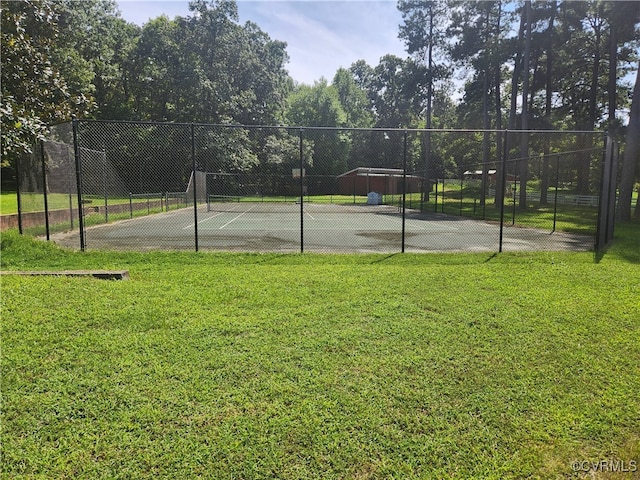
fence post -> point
(18, 197)
(555, 196)
(404, 188)
(301, 193)
(195, 197)
(514, 189)
(503, 185)
(435, 202)
(44, 188)
(355, 177)
(105, 191)
(484, 204)
(71, 210)
(611, 203)
(607, 197)
(76, 150)
(461, 187)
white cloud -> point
(321, 36)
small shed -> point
(385, 181)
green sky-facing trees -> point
(570, 59)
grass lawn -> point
(34, 202)
(512, 365)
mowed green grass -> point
(34, 202)
(320, 366)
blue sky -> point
(321, 36)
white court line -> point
(322, 229)
(236, 217)
(310, 216)
(413, 224)
(201, 221)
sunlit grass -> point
(319, 366)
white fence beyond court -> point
(563, 198)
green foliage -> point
(316, 106)
(34, 93)
(208, 68)
(64, 57)
(395, 92)
(92, 54)
(319, 105)
(353, 100)
(284, 148)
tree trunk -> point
(514, 94)
(499, 150)
(485, 138)
(544, 181)
(427, 139)
(485, 121)
(613, 74)
(587, 139)
(631, 153)
(523, 169)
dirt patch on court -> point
(385, 236)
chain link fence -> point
(47, 187)
(271, 188)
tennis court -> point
(247, 226)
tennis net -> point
(230, 203)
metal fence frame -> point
(605, 203)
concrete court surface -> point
(327, 228)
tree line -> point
(553, 65)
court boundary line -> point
(202, 221)
(235, 218)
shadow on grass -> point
(385, 258)
(625, 246)
(491, 257)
